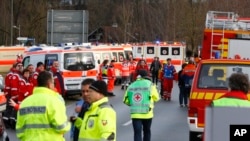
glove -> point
(72, 119)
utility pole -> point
(11, 22)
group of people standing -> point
(19, 84)
(168, 74)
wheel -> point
(193, 136)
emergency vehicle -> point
(224, 51)
(117, 52)
(75, 63)
(174, 50)
(8, 56)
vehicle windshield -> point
(79, 61)
(216, 75)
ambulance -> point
(225, 50)
(174, 50)
(117, 52)
(75, 63)
(8, 56)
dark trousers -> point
(155, 76)
(139, 125)
(183, 96)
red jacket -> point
(25, 89)
(138, 68)
(15, 85)
(111, 73)
(7, 82)
(34, 77)
(58, 79)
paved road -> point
(169, 123)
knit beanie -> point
(100, 87)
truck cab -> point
(209, 83)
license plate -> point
(72, 87)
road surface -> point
(169, 122)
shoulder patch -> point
(35, 77)
(13, 77)
(22, 83)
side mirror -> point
(98, 61)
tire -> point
(193, 136)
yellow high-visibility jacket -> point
(42, 117)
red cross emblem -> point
(137, 97)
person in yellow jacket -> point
(140, 97)
(99, 122)
(42, 116)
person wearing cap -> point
(168, 77)
(42, 116)
(140, 96)
(39, 68)
(99, 122)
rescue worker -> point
(39, 68)
(132, 68)
(42, 116)
(161, 77)
(26, 87)
(182, 95)
(141, 65)
(125, 74)
(188, 75)
(7, 81)
(237, 95)
(99, 122)
(154, 69)
(30, 67)
(103, 70)
(84, 106)
(111, 78)
(15, 87)
(7, 90)
(140, 97)
(168, 77)
(15, 81)
(58, 78)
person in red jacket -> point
(39, 68)
(111, 78)
(15, 79)
(125, 74)
(132, 68)
(142, 65)
(7, 81)
(26, 87)
(58, 78)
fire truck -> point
(163, 50)
(225, 51)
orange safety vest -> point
(125, 69)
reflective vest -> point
(168, 71)
(99, 123)
(42, 117)
(231, 102)
(139, 96)
(104, 71)
(125, 69)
